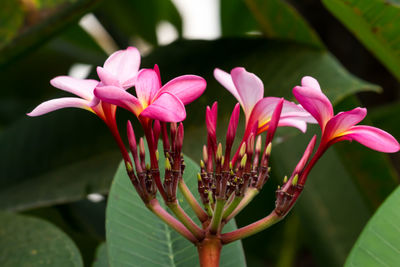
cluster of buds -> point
(146, 176)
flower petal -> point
(186, 87)
(225, 79)
(293, 122)
(291, 115)
(80, 87)
(118, 96)
(166, 107)
(315, 102)
(249, 87)
(147, 86)
(308, 81)
(124, 64)
(342, 121)
(107, 78)
(59, 103)
(373, 138)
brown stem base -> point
(209, 251)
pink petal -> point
(342, 121)
(308, 81)
(124, 64)
(118, 96)
(315, 102)
(80, 87)
(157, 70)
(166, 107)
(373, 138)
(55, 104)
(273, 125)
(147, 85)
(107, 78)
(292, 115)
(249, 87)
(225, 79)
(187, 87)
(293, 122)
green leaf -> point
(376, 24)
(42, 19)
(278, 19)
(231, 10)
(135, 17)
(55, 163)
(136, 237)
(27, 241)
(101, 258)
(379, 242)
(59, 154)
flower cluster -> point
(228, 179)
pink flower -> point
(343, 125)
(164, 103)
(248, 89)
(120, 69)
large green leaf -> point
(376, 24)
(279, 19)
(101, 258)
(27, 241)
(136, 237)
(33, 22)
(274, 18)
(51, 150)
(379, 242)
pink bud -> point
(304, 159)
(232, 128)
(156, 131)
(274, 121)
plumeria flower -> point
(342, 126)
(120, 68)
(164, 103)
(248, 89)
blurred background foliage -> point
(51, 164)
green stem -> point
(155, 207)
(232, 206)
(217, 217)
(201, 214)
(186, 220)
(248, 197)
(251, 229)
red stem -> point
(209, 251)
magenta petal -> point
(55, 104)
(342, 121)
(107, 78)
(187, 87)
(293, 122)
(80, 87)
(315, 102)
(167, 108)
(124, 65)
(225, 79)
(373, 138)
(249, 87)
(147, 85)
(118, 96)
(310, 82)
